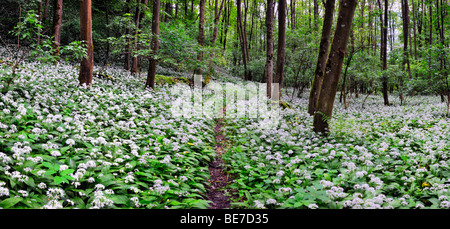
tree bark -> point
(414, 29)
(57, 19)
(322, 56)
(155, 45)
(127, 64)
(242, 37)
(269, 51)
(201, 32)
(87, 64)
(334, 66)
(316, 13)
(281, 44)
(217, 13)
(383, 53)
(138, 17)
(405, 17)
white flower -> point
(280, 173)
(4, 191)
(70, 142)
(313, 206)
(271, 201)
(42, 185)
(55, 153)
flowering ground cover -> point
(116, 145)
(375, 157)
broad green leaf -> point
(59, 180)
(10, 202)
(67, 171)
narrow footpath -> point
(219, 179)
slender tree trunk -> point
(414, 29)
(292, 14)
(384, 30)
(269, 55)
(405, 17)
(281, 44)
(155, 44)
(127, 64)
(108, 46)
(201, 31)
(47, 7)
(217, 13)
(334, 66)
(57, 19)
(87, 64)
(242, 37)
(322, 56)
(316, 13)
(38, 38)
(135, 59)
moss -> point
(161, 79)
(285, 104)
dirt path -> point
(219, 179)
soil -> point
(219, 178)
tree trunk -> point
(384, 30)
(292, 14)
(155, 45)
(201, 31)
(108, 46)
(138, 16)
(406, 23)
(217, 13)
(269, 51)
(281, 44)
(322, 57)
(334, 66)
(57, 19)
(242, 37)
(414, 29)
(316, 13)
(38, 38)
(87, 64)
(127, 64)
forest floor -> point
(116, 145)
(219, 178)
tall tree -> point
(138, 16)
(281, 44)
(57, 19)
(242, 36)
(217, 13)
(269, 51)
(334, 66)
(383, 51)
(405, 18)
(201, 28)
(155, 45)
(127, 64)
(414, 28)
(87, 63)
(322, 56)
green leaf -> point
(56, 167)
(47, 164)
(7, 203)
(50, 172)
(59, 180)
(119, 199)
(67, 171)
(64, 149)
